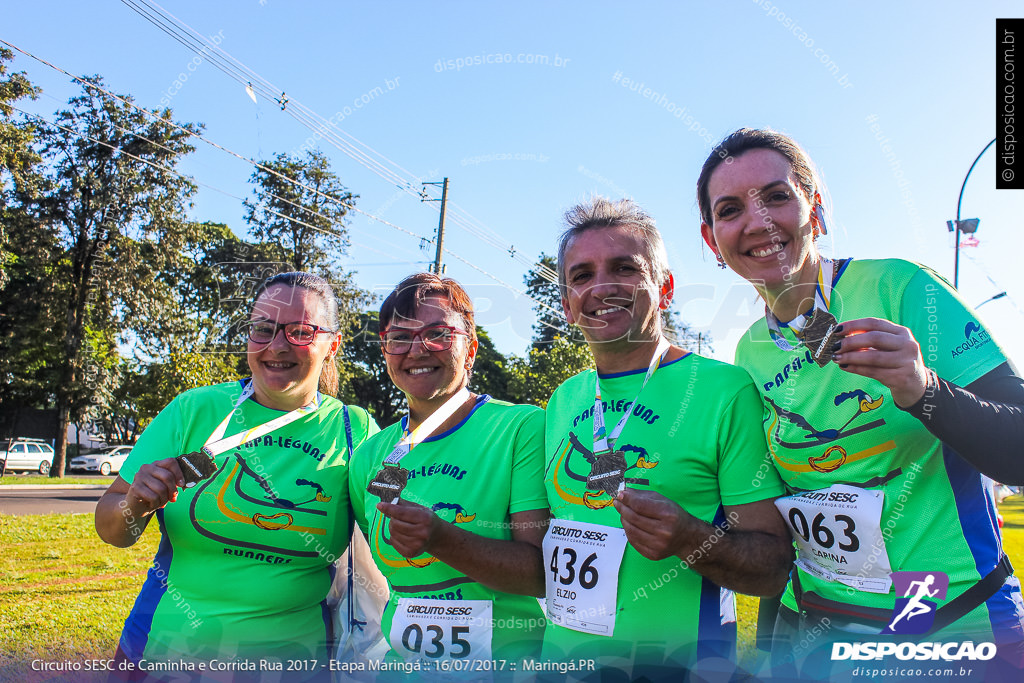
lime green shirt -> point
(828, 426)
(695, 437)
(475, 475)
(245, 557)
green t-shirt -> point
(695, 437)
(827, 426)
(474, 475)
(245, 557)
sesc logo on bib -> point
(914, 613)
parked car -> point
(32, 455)
(104, 461)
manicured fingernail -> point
(835, 347)
(839, 329)
(844, 365)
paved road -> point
(29, 500)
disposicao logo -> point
(915, 611)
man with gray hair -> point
(658, 476)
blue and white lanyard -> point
(606, 442)
(217, 444)
(822, 298)
(427, 427)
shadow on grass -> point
(1012, 510)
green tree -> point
(31, 315)
(304, 218)
(551, 320)
(535, 378)
(490, 370)
(185, 323)
(16, 154)
(108, 194)
(145, 389)
(364, 374)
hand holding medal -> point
(887, 352)
(820, 335)
(608, 470)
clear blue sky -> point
(522, 141)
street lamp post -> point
(1000, 295)
(971, 224)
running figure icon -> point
(915, 606)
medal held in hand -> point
(389, 483)
(819, 335)
(195, 467)
(608, 473)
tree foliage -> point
(16, 154)
(365, 380)
(304, 218)
(551, 320)
(115, 302)
(535, 378)
(490, 370)
(108, 197)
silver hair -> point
(601, 212)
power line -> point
(463, 219)
(326, 129)
(276, 213)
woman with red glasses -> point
(249, 483)
(452, 497)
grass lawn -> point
(38, 479)
(64, 594)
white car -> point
(106, 461)
(33, 455)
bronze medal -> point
(389, 483)
(819, 335)
(608, 473)
(195, 467)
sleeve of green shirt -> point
(528, 465)
(160, 439)
(745, 471)
(363, 427)
(953, 341)
(357, 469)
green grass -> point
(64, 594)
(38, 479)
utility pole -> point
(438, 265)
